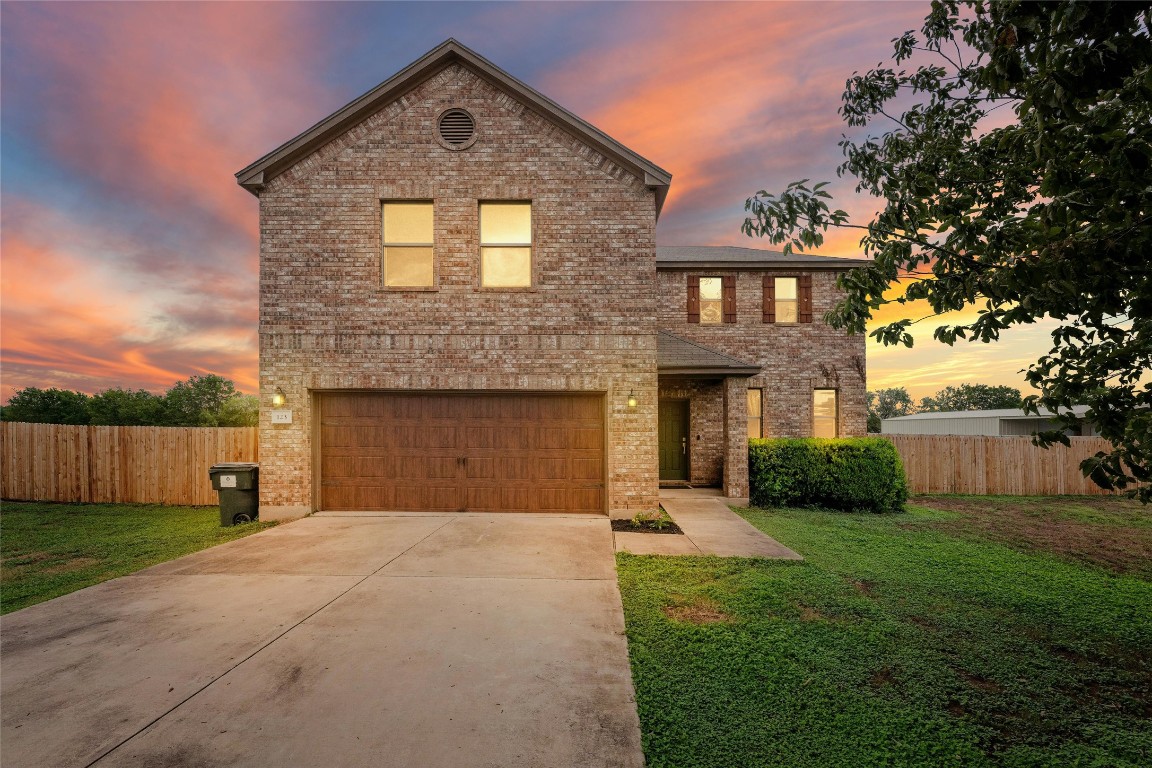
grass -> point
(48, 550)
(929, 638)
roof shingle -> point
(677, 355)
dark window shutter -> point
(728, 294)
(693, 299)
(805, 296)
(769, 299)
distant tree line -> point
(200, 401)
(895, 401)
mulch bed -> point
(627, 526)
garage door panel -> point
(448, 452)
(586, 468)
(480, 468)
(510, 437)
(515, 499)
(483, 497)
(376, 467)
(513, 467)
(427, 468)
(552, 437)
(552, 469)
(587, 438)
(552, 499)
(478, 437)
(436, 437)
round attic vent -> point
(456, 129)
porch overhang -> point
(679, 358)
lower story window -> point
(824, 413)
(755, 413)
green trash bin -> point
(239, 487)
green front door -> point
(673, 439)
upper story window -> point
(408, 254)
(506, 244)
(787, 305)
(711, 300)
(788, 299)
(825, 413)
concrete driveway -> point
(337, 640)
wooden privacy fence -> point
(996, 465)
(169, 465)
(158, 465)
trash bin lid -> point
(232, 466)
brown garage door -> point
(472, 452)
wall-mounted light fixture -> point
(632, 398)
(279, 398)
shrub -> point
(862, 474)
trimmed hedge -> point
(856, 474)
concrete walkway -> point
(710, 528)
(393, 640)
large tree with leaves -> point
(972, 397)
(1011, 145)
(886, 404)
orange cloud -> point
(73, 321)
(731, 98)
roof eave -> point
(833, 263)
(267, 167)
(718, 371)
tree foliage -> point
(1013, 163)
(888, 404)
(972, 397)
(126, 407)
(48, 406)
(200, 401)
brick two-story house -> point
(462, 307)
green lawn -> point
(930, 638)
(48, 550)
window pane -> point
(506, 267)
(786, 288)
(824, 413)
(754, 396)
(408, 267)
(709, 289)
(506, 223)
(787, 312)
(408, 223)
(711, 312)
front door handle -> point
(684, 446)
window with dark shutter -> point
(769, 299)
(729, 297)
(805, 298)
(693, 299)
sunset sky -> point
(129, 254)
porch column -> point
(736, 437)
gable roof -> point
(728, 256)
(675, 355)
(449, 52)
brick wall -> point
(796, 358)
(587, 325)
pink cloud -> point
(732, 98)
